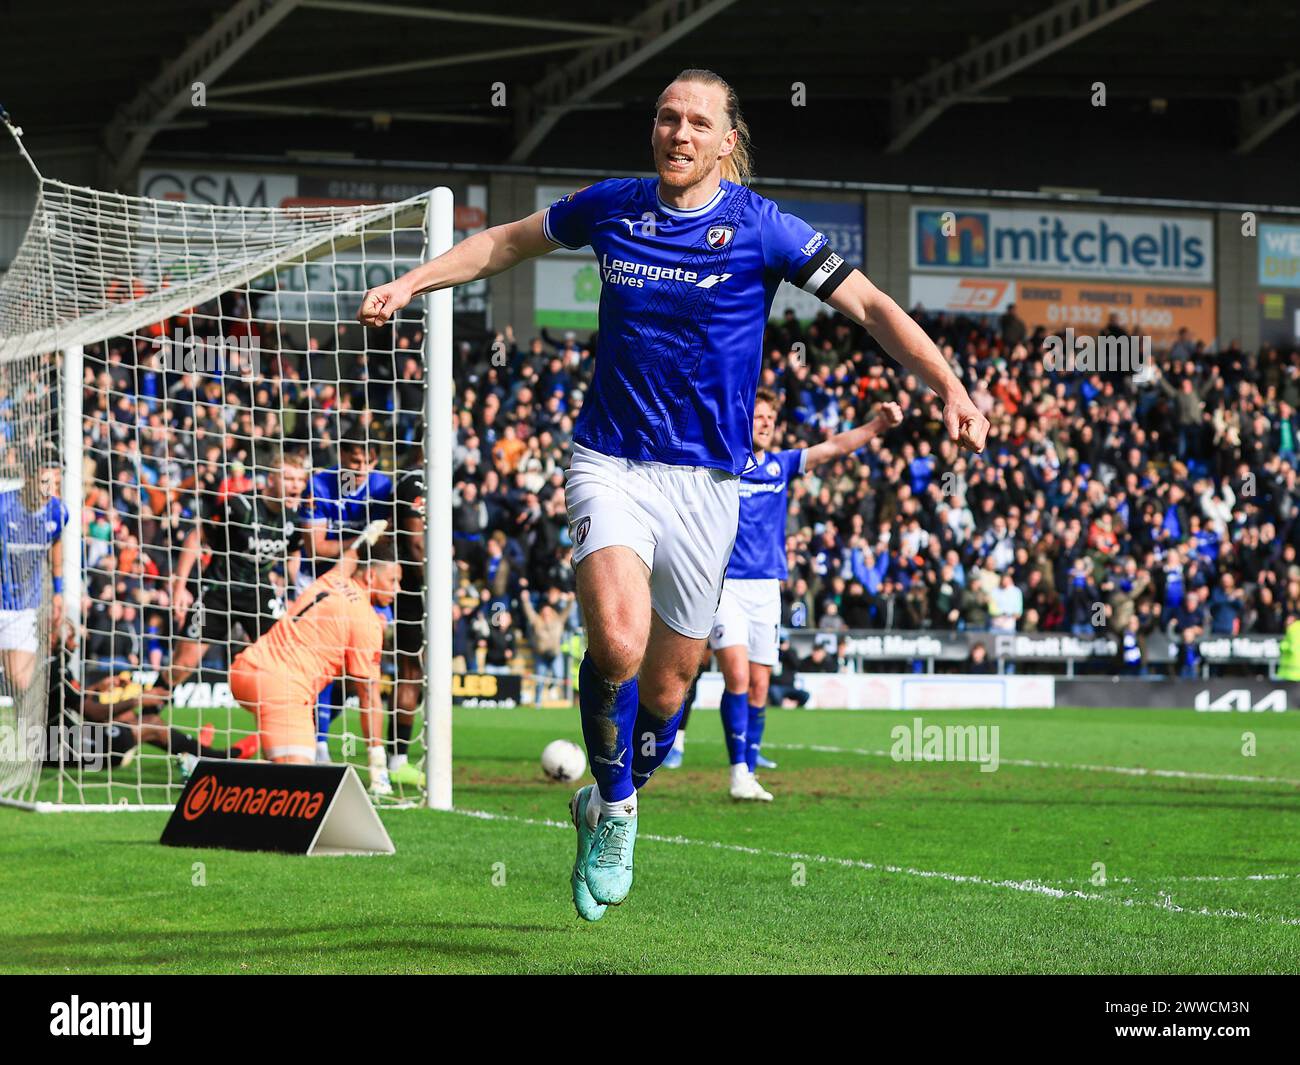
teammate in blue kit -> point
(32, 518)
(344, 500)
(690, 262)
(748, 617)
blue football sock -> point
(653, 735)
(754, 733)
(735, 718)
(608, 722)
(324, 713)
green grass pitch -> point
(862, 864)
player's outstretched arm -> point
(372, 733)
(906, 341)
(371, 710)
(318, 535)
(56, 574)
(478, 256)
(887, 416)
(180, 581)
(348, 560)
(413, 537)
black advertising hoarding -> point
(1223, 695)
(261, 806)
(497, 690)
(945, 646)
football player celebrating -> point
(748, 618)
(690, 262)
(249, 536)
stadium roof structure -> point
(1000, 93)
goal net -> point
(194, 427)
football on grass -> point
(563, 760)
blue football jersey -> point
(684, 300)
(25, 539)
(759, 553)
(347, 503)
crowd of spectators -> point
(1159, 501)
(1122, 503)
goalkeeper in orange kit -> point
(331, 631)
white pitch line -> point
(1157, 881)
(1033, 887)
(1133, 771)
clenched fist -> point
(889, 414)
(380, 304)
(966, 426)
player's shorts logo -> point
(718, 631)
(580, 532)
(720, 236)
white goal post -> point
(214, 348)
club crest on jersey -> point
(774, 469)
(351, 481)
(580, 533)
(720, 236)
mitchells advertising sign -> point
(1054, 243)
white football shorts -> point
(18, 630)
(680, 520)
(749, 615)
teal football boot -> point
(583, 901)
(609, 866)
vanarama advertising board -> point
(261, 806)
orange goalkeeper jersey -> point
(330, 629)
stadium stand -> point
(1169, 497)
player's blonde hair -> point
(737, 167)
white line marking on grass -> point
(1157, 880)
(1132, 771)
(1032, 887)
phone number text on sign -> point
(1157, 312)
(1128, 317)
